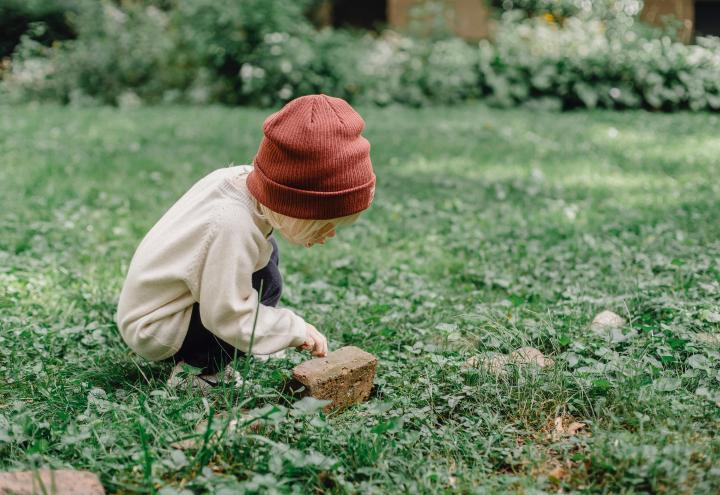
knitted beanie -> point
(312, 162)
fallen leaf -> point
(188, 443)
(566, 426)
(558, 473)
(575, 427)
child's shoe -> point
(182, 376)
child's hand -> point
(314, 342)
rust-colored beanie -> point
(313, 163)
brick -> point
(57, 482)
(344, 377)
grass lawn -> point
(491, 230)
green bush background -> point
(561, 54)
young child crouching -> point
(193, 284)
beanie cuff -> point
(308, 205)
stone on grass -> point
(56, 482)
(612, 327)
(344, 377)
(607, 320)
(493, 362)
(530, 355)
(496, 363)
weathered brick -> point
(57, 482)
(344, 376)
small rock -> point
(493, 362)
(57, 482)
(344, 377)
(530, 355)
(607, 320)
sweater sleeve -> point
(226, 296)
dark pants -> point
(201, 348)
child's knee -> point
(155, 340)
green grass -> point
(491, 230)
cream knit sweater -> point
(204, 249)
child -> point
(193, 284)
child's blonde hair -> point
(299, 230)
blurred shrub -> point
(120, 55)
(265, 52)
(231, 41)
(583, 63)
(380, 70)
(398, 69)
(19, 16)
(559, 9)
(259, 52)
